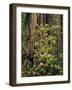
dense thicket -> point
(42, 44)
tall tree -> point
(59, 31)
(33, 24)
(28, 29)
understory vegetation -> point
(42, 45)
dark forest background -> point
(42, 44)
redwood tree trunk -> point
(59, 31)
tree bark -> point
(41, 19)
(59, 32)
(33, 24)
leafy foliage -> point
(47, 58)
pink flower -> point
(50, 55)
(41, 64)
(33, 73)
